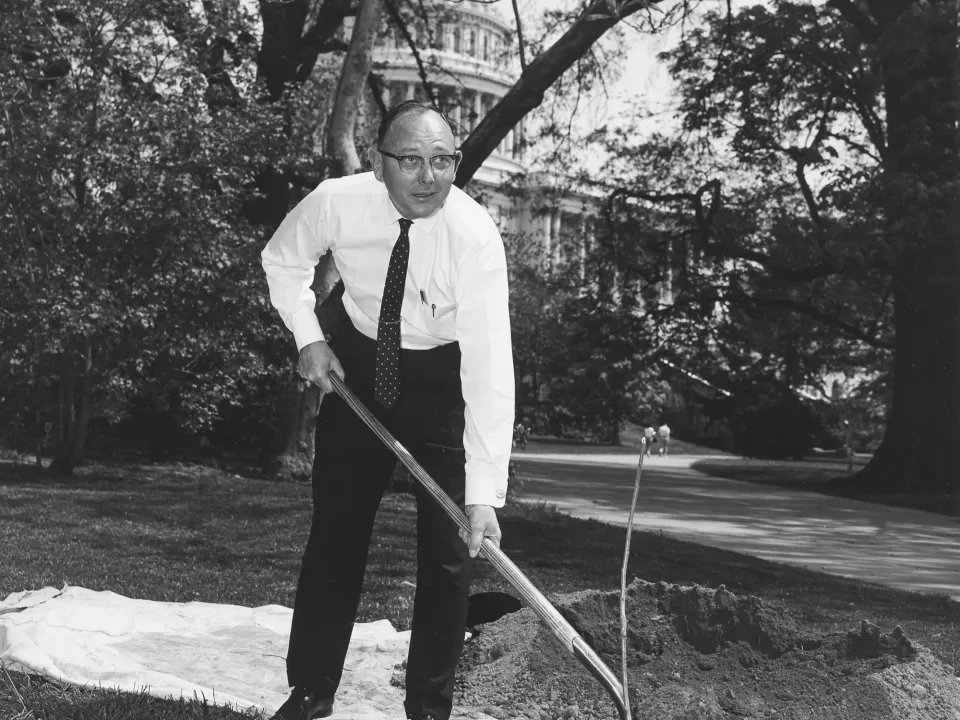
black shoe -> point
(304, 705)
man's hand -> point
(316, 362)
(483, 523)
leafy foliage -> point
(762, 220)
(127, 264)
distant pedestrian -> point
(520, 435)
(663, 435)
(650, 435)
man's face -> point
(423, 134)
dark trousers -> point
(351, 470)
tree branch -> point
(412, 44)
(850, 90)
(887, 12)
(321, 37)
(808, 193)
(527, 93)
(220, 89)
(520, 44)
(354, 75)
(883, 304)
(711, 245)
(278, 57)
(376, 85)
(833, 320)
(856, 16)
(859, 147)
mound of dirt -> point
(700, 654)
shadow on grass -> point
(818, 476)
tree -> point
(862, 99)
(300, 401)
(123, 266)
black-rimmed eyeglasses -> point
(413, 164)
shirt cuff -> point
(486, 490)
(305, 328)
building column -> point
(547, 222)
(508, 144)
(409, 90)
(583, 250)
(458, 114)
(555, 222)
(477, 109)
(666, 286)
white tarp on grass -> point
(228, 654)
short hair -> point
(407, 107)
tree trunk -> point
(301, 401)
(342, 146)
(298, 405)
(81, 425)
(615, 430)
(61, 463)
(920, 452)
(75, 408)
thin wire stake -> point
(623, 581)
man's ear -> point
(376, 159)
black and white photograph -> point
(480, 360)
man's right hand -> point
(316, 362)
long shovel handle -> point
(534, 598)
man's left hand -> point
(483, 524)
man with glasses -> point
(428, 350)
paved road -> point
(908, 549)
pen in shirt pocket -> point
(423, 299)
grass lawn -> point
(181, 533)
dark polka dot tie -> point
(387, 382)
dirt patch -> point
(700, 654)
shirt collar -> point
(383, 211)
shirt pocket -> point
(440, 319)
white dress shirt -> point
(456, 290)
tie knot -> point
(405, 225)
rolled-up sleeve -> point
(486, 371)
(289, 260)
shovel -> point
(533, 597)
